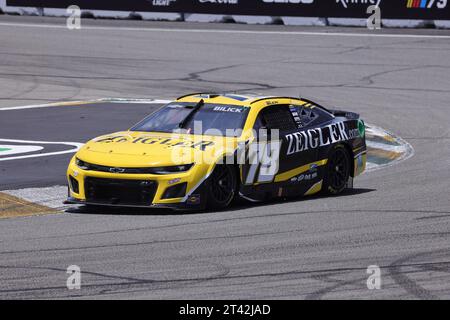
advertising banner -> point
(390, 9)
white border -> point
(76, 146)
(230, 31)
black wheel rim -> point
(222, 184)
(338, 170)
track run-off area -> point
(397, 217)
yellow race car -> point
(206, 150)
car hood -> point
(144, 149)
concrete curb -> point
(385, 149)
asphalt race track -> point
(397, 218)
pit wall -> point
(6, 7)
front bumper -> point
(183, 206)
(136, 190)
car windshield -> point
(207, 119)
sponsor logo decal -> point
(173, 181)
(162, 3)
(220, 1)
(155, 140)
(347, 3)
(315, 138)
(305, 177)
(194, 199)
(360, 161)
(290, 1)
(426, 4)
(310, 175)
(228, 109)
(361, 128)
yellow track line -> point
(391, 155)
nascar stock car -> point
(207, 150)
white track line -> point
(230, 31)
(84, 102)
(76, 146)
(131, 100)
(35, 106)
(14, 149)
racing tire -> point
(338, 171)
(222, 187)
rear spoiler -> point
(337, 113)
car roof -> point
(236, 99)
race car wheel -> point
(338, 170)
(222, 187)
